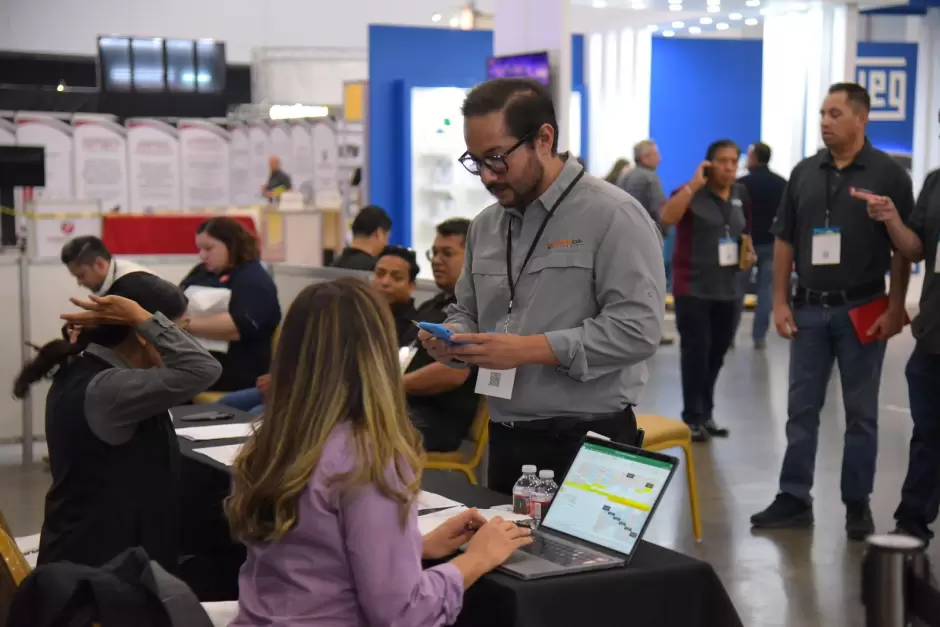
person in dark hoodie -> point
(113, 453)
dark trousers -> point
(705, 332)
(920, 496)
(549, 443)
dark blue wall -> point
(702, 90)
(401, 58)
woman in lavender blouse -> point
(324, 494)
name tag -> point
(827, 247)
(496, 383)
(727, 252)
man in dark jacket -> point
(766, 190)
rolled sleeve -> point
(630, 281)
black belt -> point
(836, 298)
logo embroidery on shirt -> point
(564, 243)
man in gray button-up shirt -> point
(642, 182)
(589, 299)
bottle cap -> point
(529, 468)
(546, 474)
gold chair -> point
(663, 433)
(467, 464)
(210, 398)
(13, 570)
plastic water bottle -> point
(522, 491)
(542, 494)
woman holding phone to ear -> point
(324, 494)
(712, 217)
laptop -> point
(596, 520)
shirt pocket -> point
(488, 274)
(565, 276)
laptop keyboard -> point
(557, 552)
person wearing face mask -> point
(563, 294)
(712, 217)
(113, 453)
(441, 400)
(842, 255)
(233, 302)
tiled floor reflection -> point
(807, 578)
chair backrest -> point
(15, 567)
(480, 422)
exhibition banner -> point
(58, 221)
(242, 188)
(100, 155)
(54, 135)
(325, 166)
(7, 132)
(282, 147)
(260, 151)
(204, 158)
(153, 151)
(302, 174)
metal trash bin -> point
(891, 561)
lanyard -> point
(535, 242)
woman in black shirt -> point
(233, 302)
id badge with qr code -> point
(496, 383)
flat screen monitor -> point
(532, 65)
(22, 166)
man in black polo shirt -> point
(917, 240)
(441, 399)
(370, 230)
(841, 256)
(765, 189)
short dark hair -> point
(84, 250)
(856, 95)
(370, 219)
(714, 147)
(403, 253)
(526, 104)
(761, 153)
(241, 243)
(454, 226)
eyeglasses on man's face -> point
(445, 253)
(495, 163)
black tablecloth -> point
(659, 588)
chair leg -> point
(470, 474)
(693, 492)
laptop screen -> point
(607, 496)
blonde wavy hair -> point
(336, 362)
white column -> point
(804, 53)
(535, 25)
(618, 71)
(926, 155)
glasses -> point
(495, 164)
(446, 253)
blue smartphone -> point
(437, 330)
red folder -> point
(863, 318)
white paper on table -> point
(222, 454)
(429, 500)
(208, 301)
(430, 522)
(217, 432)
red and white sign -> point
(153, 153)
(100, 156)
(204, 157)
(243, 189)
(302, 173)
(260, 151)
(54, 135)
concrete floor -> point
(806, 578)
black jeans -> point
(920, 496)
(549, 444)
(706, 328)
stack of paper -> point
(429, 500)
(217, 432)
(430, 522)
(222, 454)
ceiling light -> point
(455, 21)
(800, 7)
(751, 21)
(436, 17)
(291, 112)
(721, 26)
(600, 4)
(734, 17)
(668, 33)
(653, 28)
(678, 24)
(712, 2)
(694, 30)
(752, 3)
(715, 9)
(705, 20)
